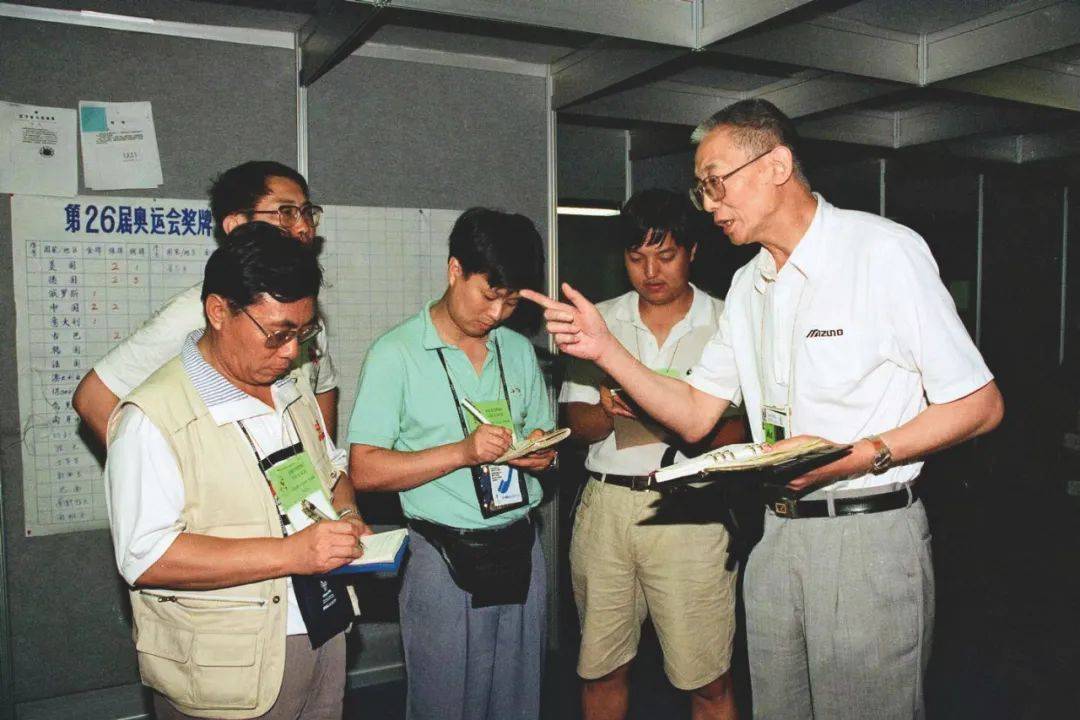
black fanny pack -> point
(494, 566)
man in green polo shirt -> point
(442, 396)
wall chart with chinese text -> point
(89, 270)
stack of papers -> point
(752, 456)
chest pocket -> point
(830, 353)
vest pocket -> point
(226, 670)
(163, 653)
(200, 649)
(206, 602)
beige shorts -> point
(623, 571)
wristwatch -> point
(883, 459)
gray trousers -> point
(464, 663)
(313, 687)
(839, 616)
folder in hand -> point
(768, 466)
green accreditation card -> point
(775, 423)
(496, 411)
(294, 479)
(670, 372)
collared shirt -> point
(681, 349)
(404, 403)
(144, 492)
(159, 340)
(856, 332)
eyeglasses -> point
(713, 185)
(289, 215)
(283, 337)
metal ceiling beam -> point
(833, 44)
(723, 18)
(684, 104)
(670, 22)
(953, 121)
(816, 92)
(604, 64)
(862, 128)
(1034, 81)
(1021, 149)
(1026, 29)
(335, 30)
(928, 124)
(674, 103)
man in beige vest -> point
(200, 536)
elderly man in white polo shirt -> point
(839, 328)
(622, 566)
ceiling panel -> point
(471, 44)
(1067, 56)
(724, 79)
(920, 16)
(285, 15)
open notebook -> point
(530, 446)
(382, 553)
(749, 457)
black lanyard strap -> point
(265, 463)
(453, 390)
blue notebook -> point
(383, 552)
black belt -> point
(438, 531)
(792, 509)
(637, 483)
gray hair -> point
(756, 126)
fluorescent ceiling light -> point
(590, 211)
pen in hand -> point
(312, 511)
(475, 412)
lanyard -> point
(265, 463)
(791, 348)
(453, 391)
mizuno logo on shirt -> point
(825, 333)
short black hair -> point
(648, 216)
(257, 258)
(239, 188)
(757, 126)
(503, 246)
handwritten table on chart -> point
(90, 270)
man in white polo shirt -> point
(256, 190)
(839, 328)
(622, 566)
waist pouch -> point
(494, 566)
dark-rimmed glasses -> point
(278, 338)
(713, 185)
(289, 215)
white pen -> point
(475, 412)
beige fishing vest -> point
(217, 653)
